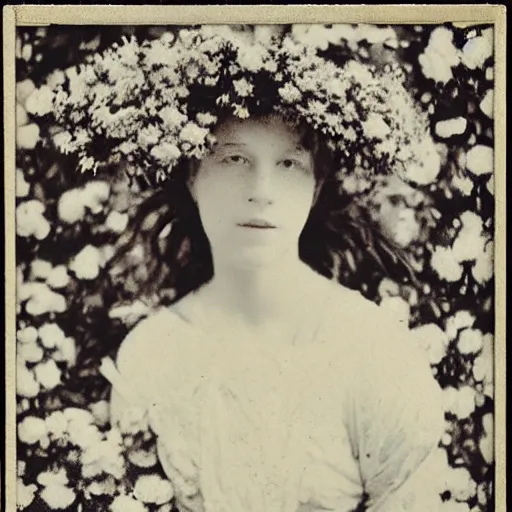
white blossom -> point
(24, 89)
(58, 477)
(58, 497)
(58, 277)
(25, 494)
(290, 93)
(486, 443)
(27, 335)
(40, 269)
(130, 313)
(149, 136)
(86, 264)
(66, 351)
(433, 340)
(48, 374)
(95, 195)
(71, 207)
(143, 458)
(243, 87)
(26, 383)
(125, 503)
(463, 184)
(440, 56)
(206, 119)
(31, 430)
(450, 127)
(22, 186)
(445, 264)
(116, 221)
(56, 424)
(487, 104)
(30, 352)
(483, 269)
(480, 159)
(460, 402)
(376, 127)
(483, 366)
(30, 220)
(153, 489)
(40, 299)
(101, 412)
(470, 341)
(193, 133)
(83, 435)
(51, 335)
(425, 169)
(27, 136)
(40, 101)
(460, 484)
(460, 320)
(478, 49)
(166, 152)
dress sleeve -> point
(398, 421)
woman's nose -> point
(261, 188)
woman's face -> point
(255, 191)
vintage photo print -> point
(254, 261)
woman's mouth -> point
(257, 224)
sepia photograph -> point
(255, 267)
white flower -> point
(478, 49)
(30, 220)
(27, 136)
(31, 430)
(469, 244)
(27, 335)
(290, 93)
(433, 340)
(460, 320)
(460, 402)
(48, 374)
(101, 412)
(58, 496)
(172, 117)
(483, 366)
(149, 136)
(64, 142)
(480, 159)
(166, 152)
(463, 184)
(66, 351)
(376, 127)
(440, 56)
(30, 352)
(83, 435)
(51, 335)
(40, 102)
(143, 458)
(449, 127)
(47, 478)
(78, 416)
(445, 264)
(24, 89)
(70, 207)
(58, 278)
(397, 307)
(460, 484)
(56, 424)
(130, 313)
(241, 112)
(95, 194)
(425, 169)
(470, 341)
(206, 119)
(86, 264)
(24, 494)
(483, 269)
(487, 104)
(22, 118)
(40, 269)
(26, 383)
(22, 187)
(125, 503)
(153, 489)
(116, 221)
(193, 133)
(486, 443)
(41, 299)
(243, 87)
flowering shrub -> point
(69, 225)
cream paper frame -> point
(24, 15)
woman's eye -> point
(235, 160)
(290, 164)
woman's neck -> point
(265, 295)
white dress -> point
(350, 408)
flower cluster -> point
(154, 103)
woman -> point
(270, 387)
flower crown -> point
(152, 104)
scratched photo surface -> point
(255, 268)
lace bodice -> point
(289, 427)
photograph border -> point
(460, 15)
